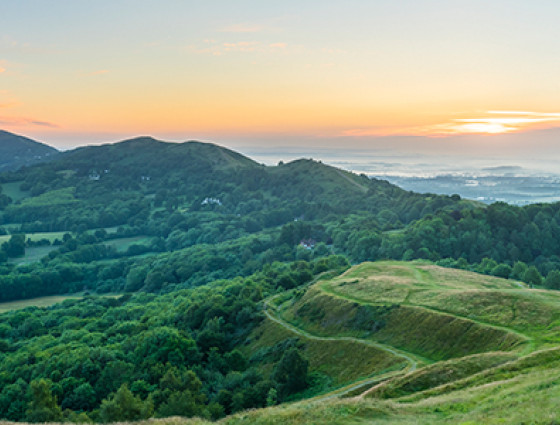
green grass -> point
(13, 191)
(63, 196)
(438, 374)
(342, 361)
(36, 302)
(32, 254)
(50, 236)
(424, 333)
(122, 244)
(45, 302)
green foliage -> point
(180, 353)
(291, 372)
(124, 406)
(43, 406)
(532, 276)
(552, 280)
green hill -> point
(518, 386)
(17, 151)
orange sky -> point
(74, 72)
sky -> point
(455, 76)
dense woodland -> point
(134, 356)
(213, 233)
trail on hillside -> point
(332, 292)
(338, 393)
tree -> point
(501, 270)
(291, 372)
(552, 280)
(519, 269)
(532, 276)
(43, 406)
(15, 247)
(272, 397)
(124, 406)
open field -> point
(13, 191)
(122, 244)
(45, 301)
(50, 236)
(36, 302)
(32, 254)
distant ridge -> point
(17, 151)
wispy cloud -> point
(217, 48)
(242, 28)
(25, 122)
(2, 69)
(490, 122)
(496, 122)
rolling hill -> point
(230, 278)
(465, 382)
(17, 151)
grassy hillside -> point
(519, 386)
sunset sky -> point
(256, 72)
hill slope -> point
(17, 151)
(518, 386)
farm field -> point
(36, 302)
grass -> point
(32, 254)
(429, 335)
(122, 244)
(342, 361)
(45, 302)
(13, 191)
(36, 302)
(50, 236)
(438, 374)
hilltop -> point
(17, 151)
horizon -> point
(429, 77)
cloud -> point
(25, 122)
(217, 48)
(94, 73)
(2, 70)
(496, 122)
(242, 28)
(506, 122)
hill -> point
(515, 386)
(143, 202)
(17, 151)
(365, 360)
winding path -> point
(338, 393)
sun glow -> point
(508, 122)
